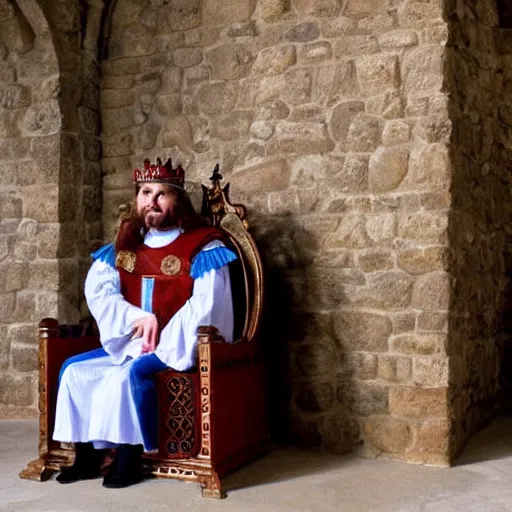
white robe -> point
(95, 401)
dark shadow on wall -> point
(311, 392)
(479, 350)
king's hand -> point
(147, 328)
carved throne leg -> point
(37, 469)
(211, 486)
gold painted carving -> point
(171, 265)
(126, 260)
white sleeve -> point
(113, 314)
(210, 304)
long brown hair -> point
(132, 228)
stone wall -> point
(330, 122)
(480, 219)
(368, 139)
(50, 175)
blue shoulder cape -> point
(205, 261)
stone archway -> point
(51, 214)
(30, 127)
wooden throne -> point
(212, 419)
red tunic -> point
(163, 273)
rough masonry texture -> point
(368, 139)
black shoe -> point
(126, 469)
(87, 465)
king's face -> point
(155, 203)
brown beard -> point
(133, 229)
(167, 222)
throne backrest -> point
(246, 273)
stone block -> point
(41, 119)
(432, 437)
(272, 10)
(115, 98)
(88, 120)
(377, 73)
(229, 62)
(172, 79)
(14, 96)
(226, 13)
(22, 334)
(340, 432)
(362, 331)
(429, 228)
(337, 26)
(388, 434)
(10, 205)
(184, 14)
(388, 105)
(178, 133)
(234, 125)
(4, 348)
(420, 344)
(388, 290)
(395, 368)
(14, 276)
(349, 232)
(431, 371)
(24, 358)
(299, 138)
(303, 32)
(433, 321)
(368, 398)
(355, 46)
(417, 13)
(365, 7)
(187, 57)
(432, 292)
(44, 275)
(314, 396)
(216, 98)
(322, 8)
(17, 390)
(419, 403)
(398, 39)
(342, 117)
(275, 60)
(396, 132)
(5, 243)
(116, 82)
(314, 53)
(432, 129)
(239, 154)
(375, 260)
(47, 305)
(387, 168)
(25, 307)
(422, 261)
(352, 178)
(381, 228)
(14, 149)
(134, 41)
(116, 120)
(363, 133)
(363, 364)
(422, 70)
(268, 177)
(41, 211)
(117, 145)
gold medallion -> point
(126, 260)
(171, 265)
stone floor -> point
(285, 480)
